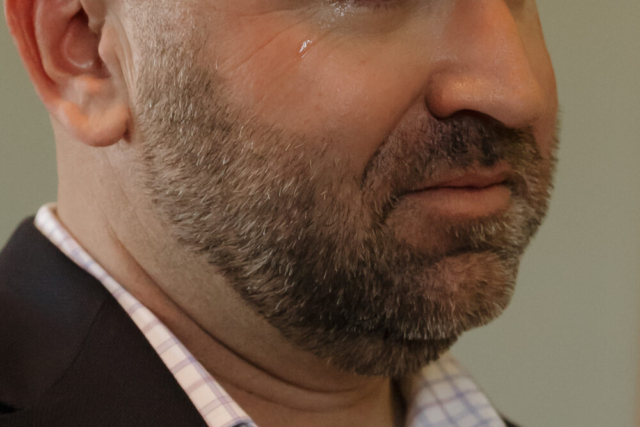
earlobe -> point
(98, 127)
(62, 53)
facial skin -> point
(259, 173)
(312, 224)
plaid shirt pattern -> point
(441, 395)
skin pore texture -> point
(276, 179)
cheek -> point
(351, 92)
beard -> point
(316, 247)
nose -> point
(483, 67)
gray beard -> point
(311, 245)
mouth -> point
(476, 193)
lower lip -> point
(464, 201)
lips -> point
(472, 180)
(475, 193)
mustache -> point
(420, 151)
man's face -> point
(365, 173)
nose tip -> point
(516, 103)
(485, 68)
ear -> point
(73, 66)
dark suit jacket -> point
(70, 356)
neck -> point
(276, 383)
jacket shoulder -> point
(47, 305)
(70, 355)
(509, 423)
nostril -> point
(485, 118)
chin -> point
(379, 357)
(405, 323)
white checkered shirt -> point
(441, 395)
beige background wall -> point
(566, 351)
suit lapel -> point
(70, 354)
